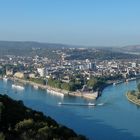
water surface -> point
(117, 119)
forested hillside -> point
(18, 122)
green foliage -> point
(92, 82)
(101, 54)
(2, 137)
(38, 81)
(77, 83)
(43, 129)
(138, 86)
(29, 49)
(65, 86)
(138, 95)
(95, 84)
(71, 86)
(1, 109)
(54, 83)
(2, 71)
(21, 123)
(133, 92)
(1, 106)
(114, 77)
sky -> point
(77, 22)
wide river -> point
(116, 119)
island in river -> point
(18, 122)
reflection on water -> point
(115, 118)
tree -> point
(138, 86)
(133, 92)
(2, 137)
(95, 83)
(65, 86)
(138, 96)
(92, 82)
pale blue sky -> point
(83, 22)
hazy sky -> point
(83, 22)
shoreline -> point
(61, 92)
(134, 101)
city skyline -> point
(80, 22)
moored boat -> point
(5, 78)
(17, 86)
(55, 93)
(35, 86)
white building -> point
(134, 65)
(92, 66)
(41, 71)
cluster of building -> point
(63, 69)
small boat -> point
(91, 104)
(59, 103)
(100, 104)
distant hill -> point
(32, 48)
(35, 44)
(100, 54)
(30, 44)
(132, 48)
(18, 122)
(29, 48)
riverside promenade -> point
(87, 95)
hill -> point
(99, 54)
(29, 48)
(18, 122)
(132, 48)
(49, 50)
(30, 44)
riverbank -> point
(86, 95)
(116, 82)
(132, 98)
(62, 93)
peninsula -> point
(134, 96)
(59, 91)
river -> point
(116, 119)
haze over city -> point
(78, 22)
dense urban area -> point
(73, 70)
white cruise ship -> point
(5, 78)
(55, 93)
(17, 86)
(35, 86)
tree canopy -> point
(26, 124)
(138, 86)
